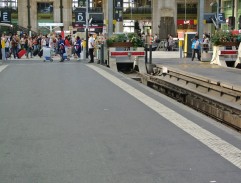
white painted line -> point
(221, 147)
(2, 67)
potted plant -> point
(135, 40)
(118, 40)
(225, 38)
(124, 40)
(220, 40)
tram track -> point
(212, 98)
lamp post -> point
(217, 18)
(110, 18)
(200, 19)
(61, 14)
(131, 8)
(29, 18)
(87, 28)
(233, 19)
(216, 23)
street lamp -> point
(131, 8)
(87, 28)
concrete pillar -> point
(236, 14)
(22, 7)
(160, 10)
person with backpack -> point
(196, 48)
(77, 47)
(61, 48)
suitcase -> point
(21, 53)
(35, 52)
(40, 53)
(47, 54)
(65, 57)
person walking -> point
(61, 48)
(77, 47)
(91, 45)
(196, 48)
(68, 48)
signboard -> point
(118, 10)
(221, 18)
(5, 16)
(118, 15)
(209, 17)
(76, 24)
(51, 24)
(80, 17)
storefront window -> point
(128, 26)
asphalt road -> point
(82, 123)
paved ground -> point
(204, 69)
(75, 122)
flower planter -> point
(121, 44)
(229, 44)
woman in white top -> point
(206, 43)
(91, 45)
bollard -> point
(146, 53)
(83, 53)
(180, 48)
(102, 54)
(150, 49)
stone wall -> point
(23, 13)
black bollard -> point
(150, 49)
(146, 45)
(102, 54)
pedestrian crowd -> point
(67, 46)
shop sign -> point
(5, 16)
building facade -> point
(153, 16)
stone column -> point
(22, 13)
(67, 14)
(22, 7)
(164, 17)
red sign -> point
(182, 22)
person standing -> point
(7, 47)
(3, 43)
(170, 42)
(91, 45)
(196, 48)
(30, 47)
(14, 44)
